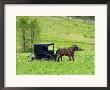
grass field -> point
(62, 32)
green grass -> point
(63, 33)
(79, 66)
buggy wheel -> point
(47, 57)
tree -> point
(23, 27)
(27, 31)
(34, 30)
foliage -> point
(27, 32)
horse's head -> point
(77, 48)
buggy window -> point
(50, 47)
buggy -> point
(42, 51)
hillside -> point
(63, 32)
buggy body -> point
(42, 51)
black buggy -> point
(44, 51)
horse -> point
(67, 52)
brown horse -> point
(67, 52)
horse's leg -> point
(61, 58)
(69, 58)
(73, 58)
(58, 58)
(55, 57)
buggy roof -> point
(44, 44)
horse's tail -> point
(57, 50)
(56, 54)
